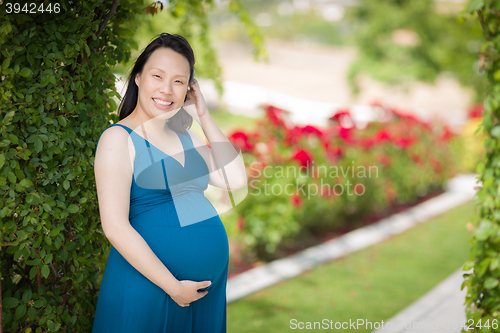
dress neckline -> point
(149, 143)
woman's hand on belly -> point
(187, 292)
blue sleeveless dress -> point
(191, 247)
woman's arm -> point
(113, 173)
(221, 155)
(231, 172)
(224, 155)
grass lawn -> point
(372, 284)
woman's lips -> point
(162, 106)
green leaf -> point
(62, 121)
(51, 325)
(12, 177)
(10, 302)
(25, 72)
(79, 93)
(31, 313)
(484, 230)
(482, 267)
(13, 139)
(6, 63)
(26, 182)
(34, 262)
(64, 254)
(475, 5)
(45, 271)
(468, 265)
(494, 264)
(112, 105)
(495, 131)
(66, 184)
(20, 311)
(73, 208)
(54, 232)
(33, 272)
(2, 160)
(480, 167)
(66, 317)
(8, 117)
(38, 145)
(490, 283)
(28, 294)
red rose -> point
(296, 200)
(475, 111)
(241, 223)
(241, 139)
(308, 129)
(303, 157)
(382, 135)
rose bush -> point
(310, 180)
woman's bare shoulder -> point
(115, 140)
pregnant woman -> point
(167, 267)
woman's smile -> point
(164, 105)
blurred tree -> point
(190, 19)
(404, 40)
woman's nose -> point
(166, 88)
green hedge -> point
(56, 91)
(483, 289)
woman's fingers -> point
(203, 293)
(189, 293)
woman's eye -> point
(179, 81)
(158, 76)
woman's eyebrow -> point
(161, 70)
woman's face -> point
(164, 79)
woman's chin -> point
(165, 114)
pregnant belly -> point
(196, 252)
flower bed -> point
(306, 181)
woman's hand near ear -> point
(195, 104)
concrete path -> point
(440, 310)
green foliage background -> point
(57, 93)
(444, 44)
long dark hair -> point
(181, 120)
